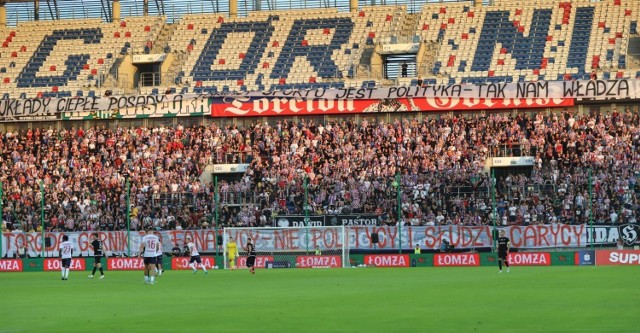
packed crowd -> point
(437, 164)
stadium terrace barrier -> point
(294, 239)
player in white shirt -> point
(149, 249)
(159, 268)
(195, 257)
(66, 251)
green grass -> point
(528, 299)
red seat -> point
(190, 47)
(361, 14)
(612, 40)
(23, 48)
(127, 34)
(471, 14)
(12, 34)
(54, 89)
(52, 68)
(40, 94)
(221, 62)
(198, 83)
(85, 67)
(220, 19)
(491, 73)
(388, 18)
(601, 25)
(147, 28)
(518, 11)
(265, 65)
(443, 10)
(627, 12)
(7, 80)
(549, 38)
(451, 20)
(241, 56)
(312, 79)
(619, 75)
(123, 24)
(116, 34)
(14, 54)
(304, 42)
(372, 34)
(536, 72)
(282, 81)
(100, 61)
(326, 31)
(190, 26)
(500, 62)
(240, 82)
(275, 44)
(5, 44)
(465, 36)
(425, 27)
(94, 72)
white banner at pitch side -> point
(301, 239)
(142, 106)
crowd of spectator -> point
(437, 164)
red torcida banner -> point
(10, 265)
(456, 259)
(318, 262)
(618, 257)
(77, 264)
(291, 106)
(182, 263)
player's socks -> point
(94, 271)
(151, 277)
(500, 265)
(203, 268)
(101, 271)
(62, 272)
(146, 279)
(66, 273)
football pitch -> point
(528, 299)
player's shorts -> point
(149, 260)
(159, 260)
(502, 255)
(251, 261)
(196, 259)
(97, 260)
(66, 263)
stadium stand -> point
(42, 58)
(517, 41)
(351, 168)
(511, 41)
(351, 162)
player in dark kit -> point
(98, 253)
(503, 250)
(251, 256)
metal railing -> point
(150, 79)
